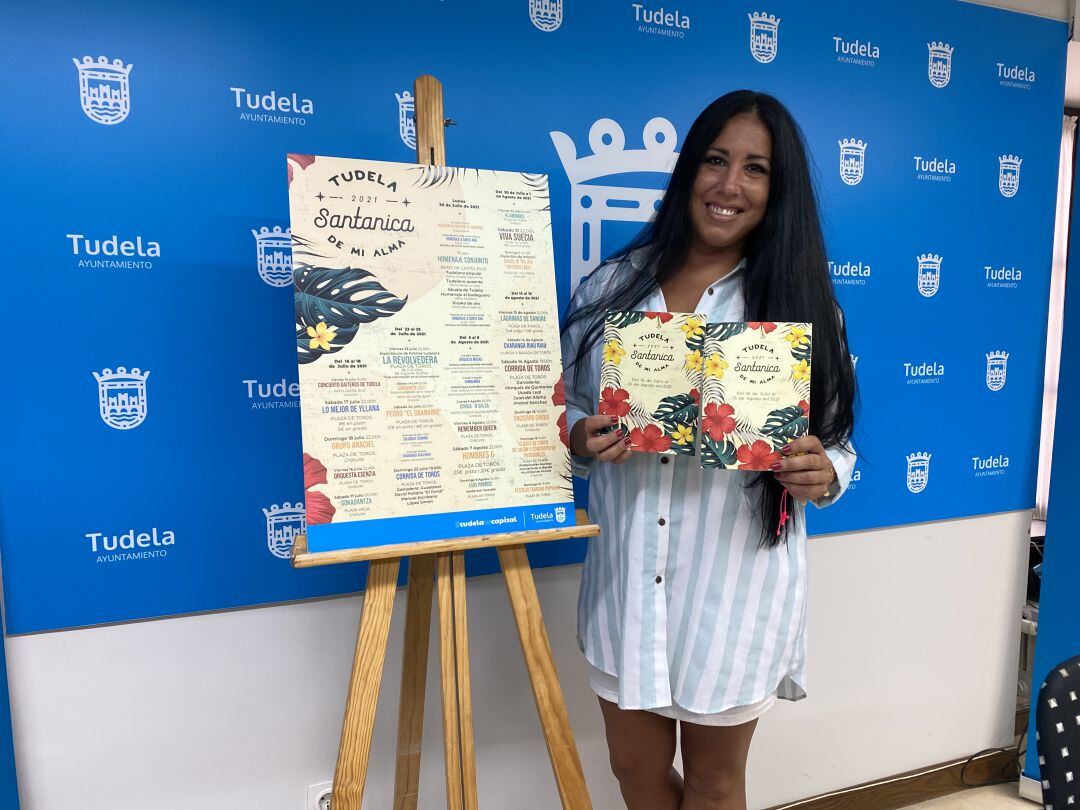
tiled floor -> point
(998, 797)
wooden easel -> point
(444, 562)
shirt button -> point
(659, 579)
(664, 459)
(710, 291)
(662, 522)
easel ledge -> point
(302, 558)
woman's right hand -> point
(586, 440)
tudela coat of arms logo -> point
(283, 523)
(939, 67)
(104, 89)
(546, 14)
(122, 397)
(918, 472)
(852, 160)
(929, 275)
(764, 36)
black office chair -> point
(1057, 730)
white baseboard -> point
(1030, 789)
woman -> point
(693, 598)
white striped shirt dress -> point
(680, 612)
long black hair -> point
(786, 275)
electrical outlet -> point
(318, 796)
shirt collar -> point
(737, 269)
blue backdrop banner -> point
(1059, 598)
(154, 434)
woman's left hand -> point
(807, 476)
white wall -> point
(1056, 9)
(913, 656)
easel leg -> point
(455, 793)
(413, 681)
(550, 704)
(364, 684)
(464, 683)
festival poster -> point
(428, 345)
(755, 392)
(650, 377)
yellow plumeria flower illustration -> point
(683, 434)
(692, 327)
(321, 335)
(613, 352)
(801, 370)
(797, 337)
(714, 366)
(693, 360)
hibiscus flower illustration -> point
(613, 352)
(683, 435)
(692, 328)
(614, 402)
(649, 439)
(318, 507)
(714, 366)
(765, 326)
(695, 395)
(805, 407)
(321, 336)
(757, 456)
(558, 397)
(661, 317)
(718, 421)
(797, 337)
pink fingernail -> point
(614, 420)
(777, 466)
(627, 440)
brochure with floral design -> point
(651, 376)
(755, 392)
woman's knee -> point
(718, 782)
(642, 764)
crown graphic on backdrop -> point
(764, 36)
(104, 91)
(592, 204)
(274, 253)
(283, 524)
(610, 155)
(122, 397)
(853, 143)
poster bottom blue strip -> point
(440, 526)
